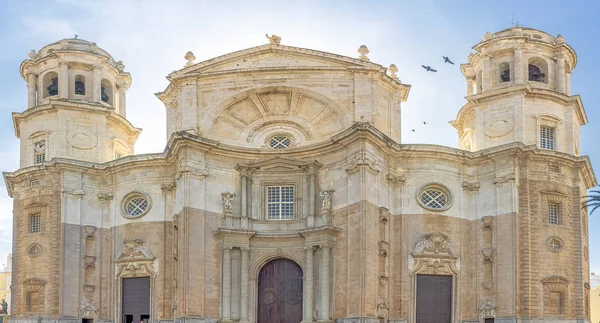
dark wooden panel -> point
(280, 292)
(136, 298)
(434, 299)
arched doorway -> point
(280, 292)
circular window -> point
(34, 250)
(280, 141)
(555, 244)
(135, 205)
(434, 197)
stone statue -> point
(4, 307)
(227, 199)
(327, 194)
(274, 39)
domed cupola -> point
(518, 89)
(76, 105)
(75, 69)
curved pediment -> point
(252, 117)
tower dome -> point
(76, 69)
(518, 89)
(76, 105)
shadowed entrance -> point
(434, 299)
(280, 292)
(136, 300)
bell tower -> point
(518, 89)
(76, 105)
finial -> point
(190, 58)
(363, 51)
(76, 35)
(120, 66)
(273, 39)
(32, 55)
(393, 70)
(487, 36)
(559, 39)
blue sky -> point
(151, 38)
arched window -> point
(106, 91)
(504, 69)
(538, 70)
(80, 85)
(50, 84)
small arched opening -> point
(538, 70)
(79, 85)
(106, 91)
(50, 84)
(504, 69)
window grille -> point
(118, 155)
(434, 199)
(547, 138)
(39, 151)
(280, 202)
(137, 206)
(280, 142)
(554, 169)
(35, 223)
(553, 213)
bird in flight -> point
(447, 60)
(412, 130)
(428, 68)
(424, 122)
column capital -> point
(245, 249)
(97, 68)
(307, 248)
(227, 248)
(326, 245)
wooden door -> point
(280, 292)
(434, 299)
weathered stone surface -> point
(369, 214)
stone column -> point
(226, 316)
(324, 312)
(485, 74)
(470, 86)
(519, 79)
(311, 197)
(308, 286)
(31, 90)
(63, 80)
(96, 80)
(560, 74)
(244, 182)
(568, 83)
(244, 287)
(122, 101)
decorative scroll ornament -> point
(435, 255)
(471, 186)
(487, 309)
(362, 159)
(396, 178)
(501, 180)
(88, 310)
(227, 199)
(135, 260)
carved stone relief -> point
(135, 260)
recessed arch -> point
(538, 70)
(249, 117)
(50, 84)
(106, 92)
(262, 259)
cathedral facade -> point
(285, 194)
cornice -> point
(54, 105)
(358, 132)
